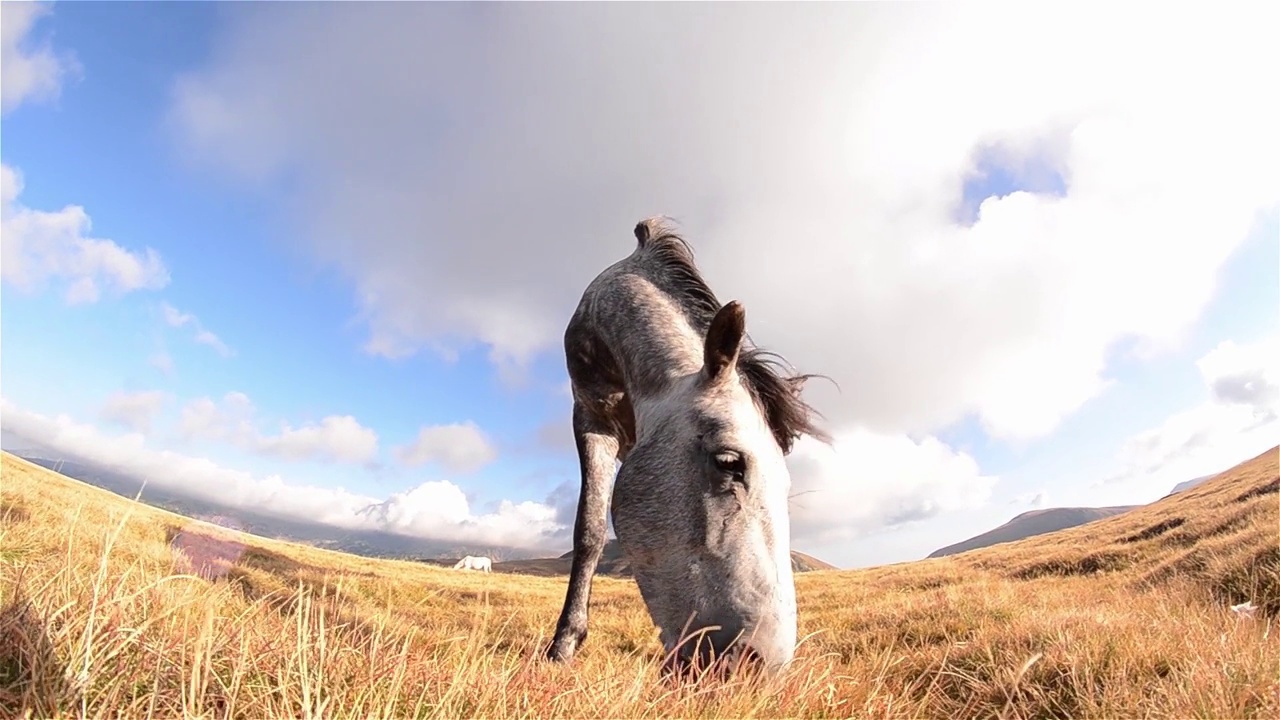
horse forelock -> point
(776, 392)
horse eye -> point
(730, 463)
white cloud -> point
(1035, 500)
(457, 447)
(336, 438)
(37, 246)
(134, 410)
(1244, 374)
(815, 153)
(1240, 419)
(174, 317)
(865, 482)
(29, 71)
(203, 418)
(441, 503)
(204, 337)
(435, 510)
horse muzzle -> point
(720, 653)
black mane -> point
(777, 392)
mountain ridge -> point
(1046, 520)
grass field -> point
(111, 608)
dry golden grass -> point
(100, 615)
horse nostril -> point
(679, 666)
(748, 658)
(689, 663)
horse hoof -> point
(562, 651)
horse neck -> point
(657, 358)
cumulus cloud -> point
(817, 158)
(135, 410)
(29, 71)
(1244, 375)
(1239, 420)
(336, 438)
(178, 319)
(441, 503)
(435, 510)
(457, 448)
(865, 482)
(37, 246)
(1035, 500)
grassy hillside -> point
(1032, 523)
(110, 608)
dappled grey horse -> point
(665, 381)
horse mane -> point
(776, 391)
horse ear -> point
(724, 340)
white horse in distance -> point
(474, 562)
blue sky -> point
(102, 145)
(379, 249)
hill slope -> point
(111, 608)
(1032, 523)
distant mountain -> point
(1188, 484)
(1034, 522)
(1039, 522)
(612, 563)
(369, 543)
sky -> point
(315, 259)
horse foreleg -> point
(597, 452)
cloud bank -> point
(336, 438)
(818, 158)
(435, 510)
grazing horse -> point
(474, 562)
(701, 422)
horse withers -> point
(665, 382)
